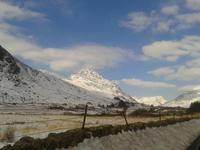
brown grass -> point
(75, 136)
(8, 135)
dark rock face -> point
(3, 53)
(7, 60)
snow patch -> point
(185, 99)
(178, 136)
(154, 100)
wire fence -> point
(83, 123)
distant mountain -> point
(154, 100)
(185, 99)
(92, 81)
(20, 84)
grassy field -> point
(42, 125)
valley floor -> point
(40, 125)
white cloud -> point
(188, 18)
(81, 56)
(162, 72)
(189, 88)
(193, 4)
(7, 27)
(71, 58)
(170, 18)
(9, 11)
(172, 50)
(15, 43)
(163, 26)
(164, 50)
(136, 21)
(170, 10)
(193, 63)
(147, 84)
(188, 47)
(8, 31)
(186, 73)
(183, 73)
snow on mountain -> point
(154, 100)
(21, 84)
(185, 99)
(92, 81)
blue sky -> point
(150, 49)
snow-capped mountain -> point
(154, 100)
(185, 99)
(20, 84)
(92, 81)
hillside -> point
(21, 84)
(185, 99)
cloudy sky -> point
(149, 48)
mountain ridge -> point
(91, 80)
(185, 99)
(153, 100)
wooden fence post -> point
(160, 115)
(124, 115)
(174, 115)
(85, 114)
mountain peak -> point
(88, 73)
(93, 81)
(89, 78)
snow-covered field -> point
(172, 137)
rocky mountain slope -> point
(92, 81)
